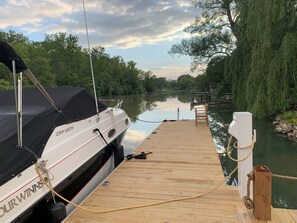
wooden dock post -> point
(262, 193)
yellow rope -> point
(284, 177)
(144, 205)
(130, 207)
(235, 144)
(246, 199)
(251, 147)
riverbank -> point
(286, 124)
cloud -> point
(135, 136)
(21, 13)
(116, 23)
(171, 104)
(144, 22)
(172, 72)
(132, 139)
(126, 26)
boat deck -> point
(184, 163)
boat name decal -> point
(17, 200)
(60, 132)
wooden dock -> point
(183, 163)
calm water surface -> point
(276, 152)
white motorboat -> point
(63, 130)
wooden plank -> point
(243, 215)
(293, 213)
(286, 215)
(184, 163)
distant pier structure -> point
(201, 97)
(209, 97)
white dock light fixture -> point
(241, 128)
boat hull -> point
(74, 154)
(75, 187)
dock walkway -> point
(183, 163)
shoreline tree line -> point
(59, 60)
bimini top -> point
(39, 121)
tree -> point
(40, 66)
(60, 61)
(131, 79)
(161, 83)
(64, 55)
(185, 82)
(4, 84)
(201, 82)
(264, 65)
(256, 44)
(172, 84)
(213, 33)
(148, 80)
(216, 76)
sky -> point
(138, 30)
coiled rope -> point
(251, 147)
(246, 199)
(248, 202)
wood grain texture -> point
(184, 163)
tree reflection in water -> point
(219, 120)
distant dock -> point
(184, 163)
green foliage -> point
(4, 84)
(161, 83)
(201, 82)
(213, 33)
(185, 82)
(216, 76)
(290, 117)
(172, 84)
(264, 64)
(60, 61)
(148, 80)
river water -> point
(276, 152)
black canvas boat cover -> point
(39, 120)
(7, 55)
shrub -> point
(290, 117)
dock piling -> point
(262, 193)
